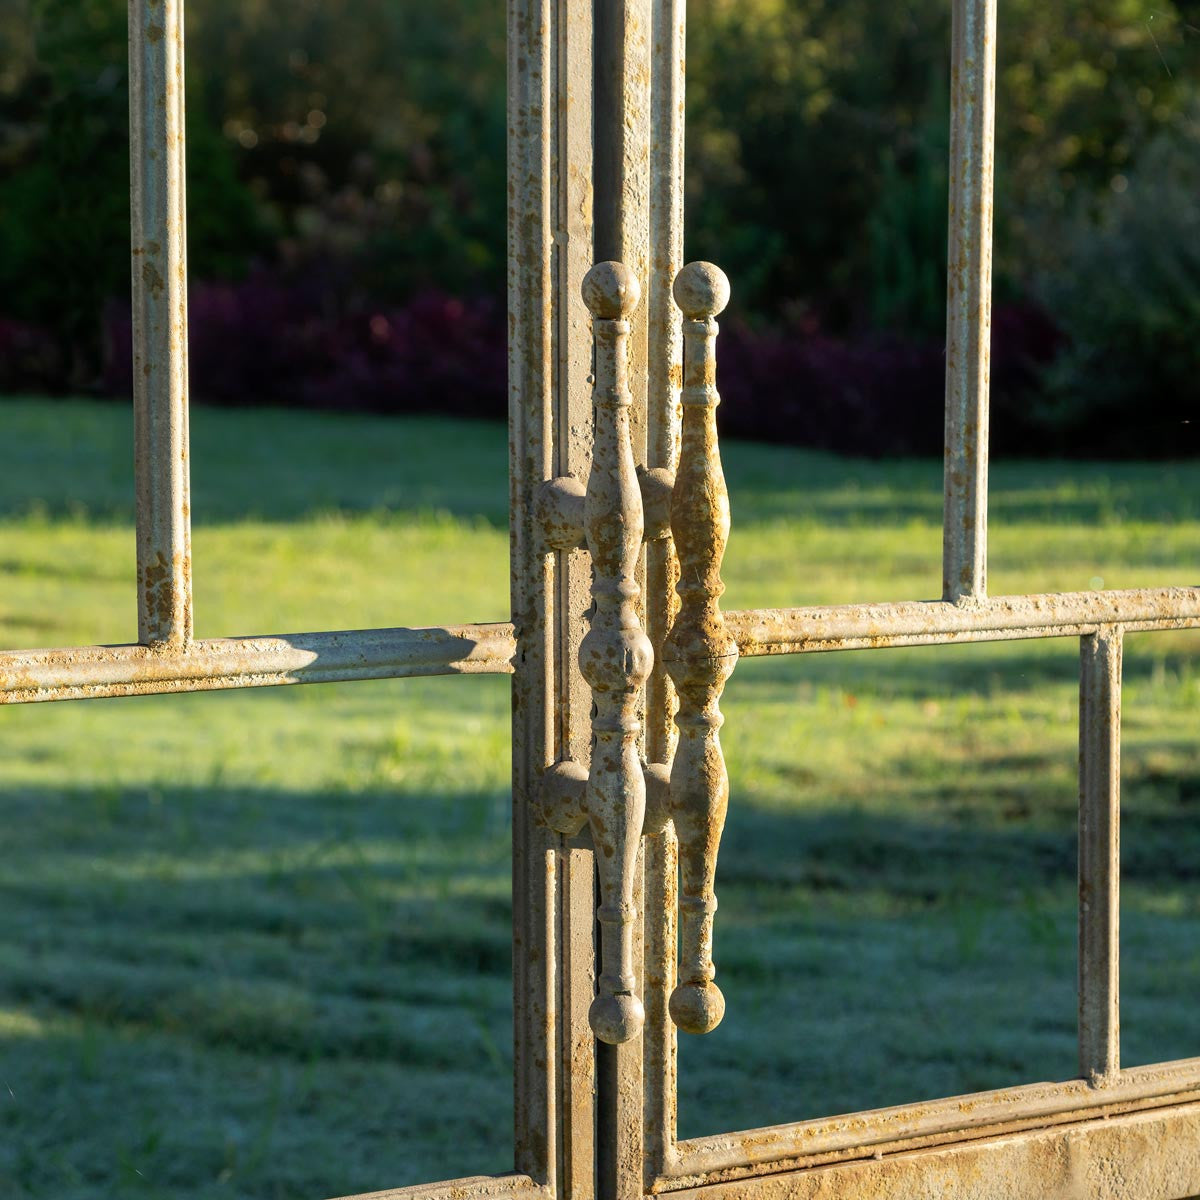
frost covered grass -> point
(256, 944)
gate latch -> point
(615, 657)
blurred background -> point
(346, 224)
(257, 944)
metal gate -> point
(618, 782)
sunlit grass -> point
(256, 944)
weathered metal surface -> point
(559, 508)
(969, 299)
(95, 672)
(535, 883)
(576, 1063)
(664, 355)
(158, 238)
(1141, 1156)
(664, 380)
(1099, 854)
(572, 256)
(615, 654)
(928, 622)
(623, 135)
(699, 652)
(473, 1187)
(803, 1142)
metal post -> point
(530, 379)
(1099, 853)
(572, 257)
(665, 368)
(969, 299)
(159, 246)
(621, 185)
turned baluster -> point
(615, 655)
(699, 653)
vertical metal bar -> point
(1099, 853)
(621, 166)
(571, 163)
(619, 1162)
(664, 352)
(577, 909)
(660, 1047)
(969, 299)
(665, 364)
(530, 380)
(159, 246)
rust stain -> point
(152, 279)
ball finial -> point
(611, 291)
(616, 1019)
(701, 290)
(697, 1007)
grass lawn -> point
(256, 944)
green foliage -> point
(64, 194)
(371, 134)
(907, 231)
(1125, 286)
(371, 130)
(807, 119)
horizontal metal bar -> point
(930, 622)
(158, 232)
(700, 1157)
(474, 1187)
(93, 672)
(1152, 1155)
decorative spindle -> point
(699, 652)
(615, 656)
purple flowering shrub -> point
(306, 338)
(294, 343)
(877, 394)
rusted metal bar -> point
(1099, 854)
(931, 622)
(1148, 1155)
(665, 375)
(664, 361)
(622, 194)
(535, 885)
(615, 655)
(698, 1158)
(94, 672)
(159, 246)
(474, 1187)
(969, 299)
(699, 652)
(572, 256)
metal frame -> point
(595, 115)
(1040, 1139)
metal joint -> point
(559, 507)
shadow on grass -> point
(268, 993)
(252, 993)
